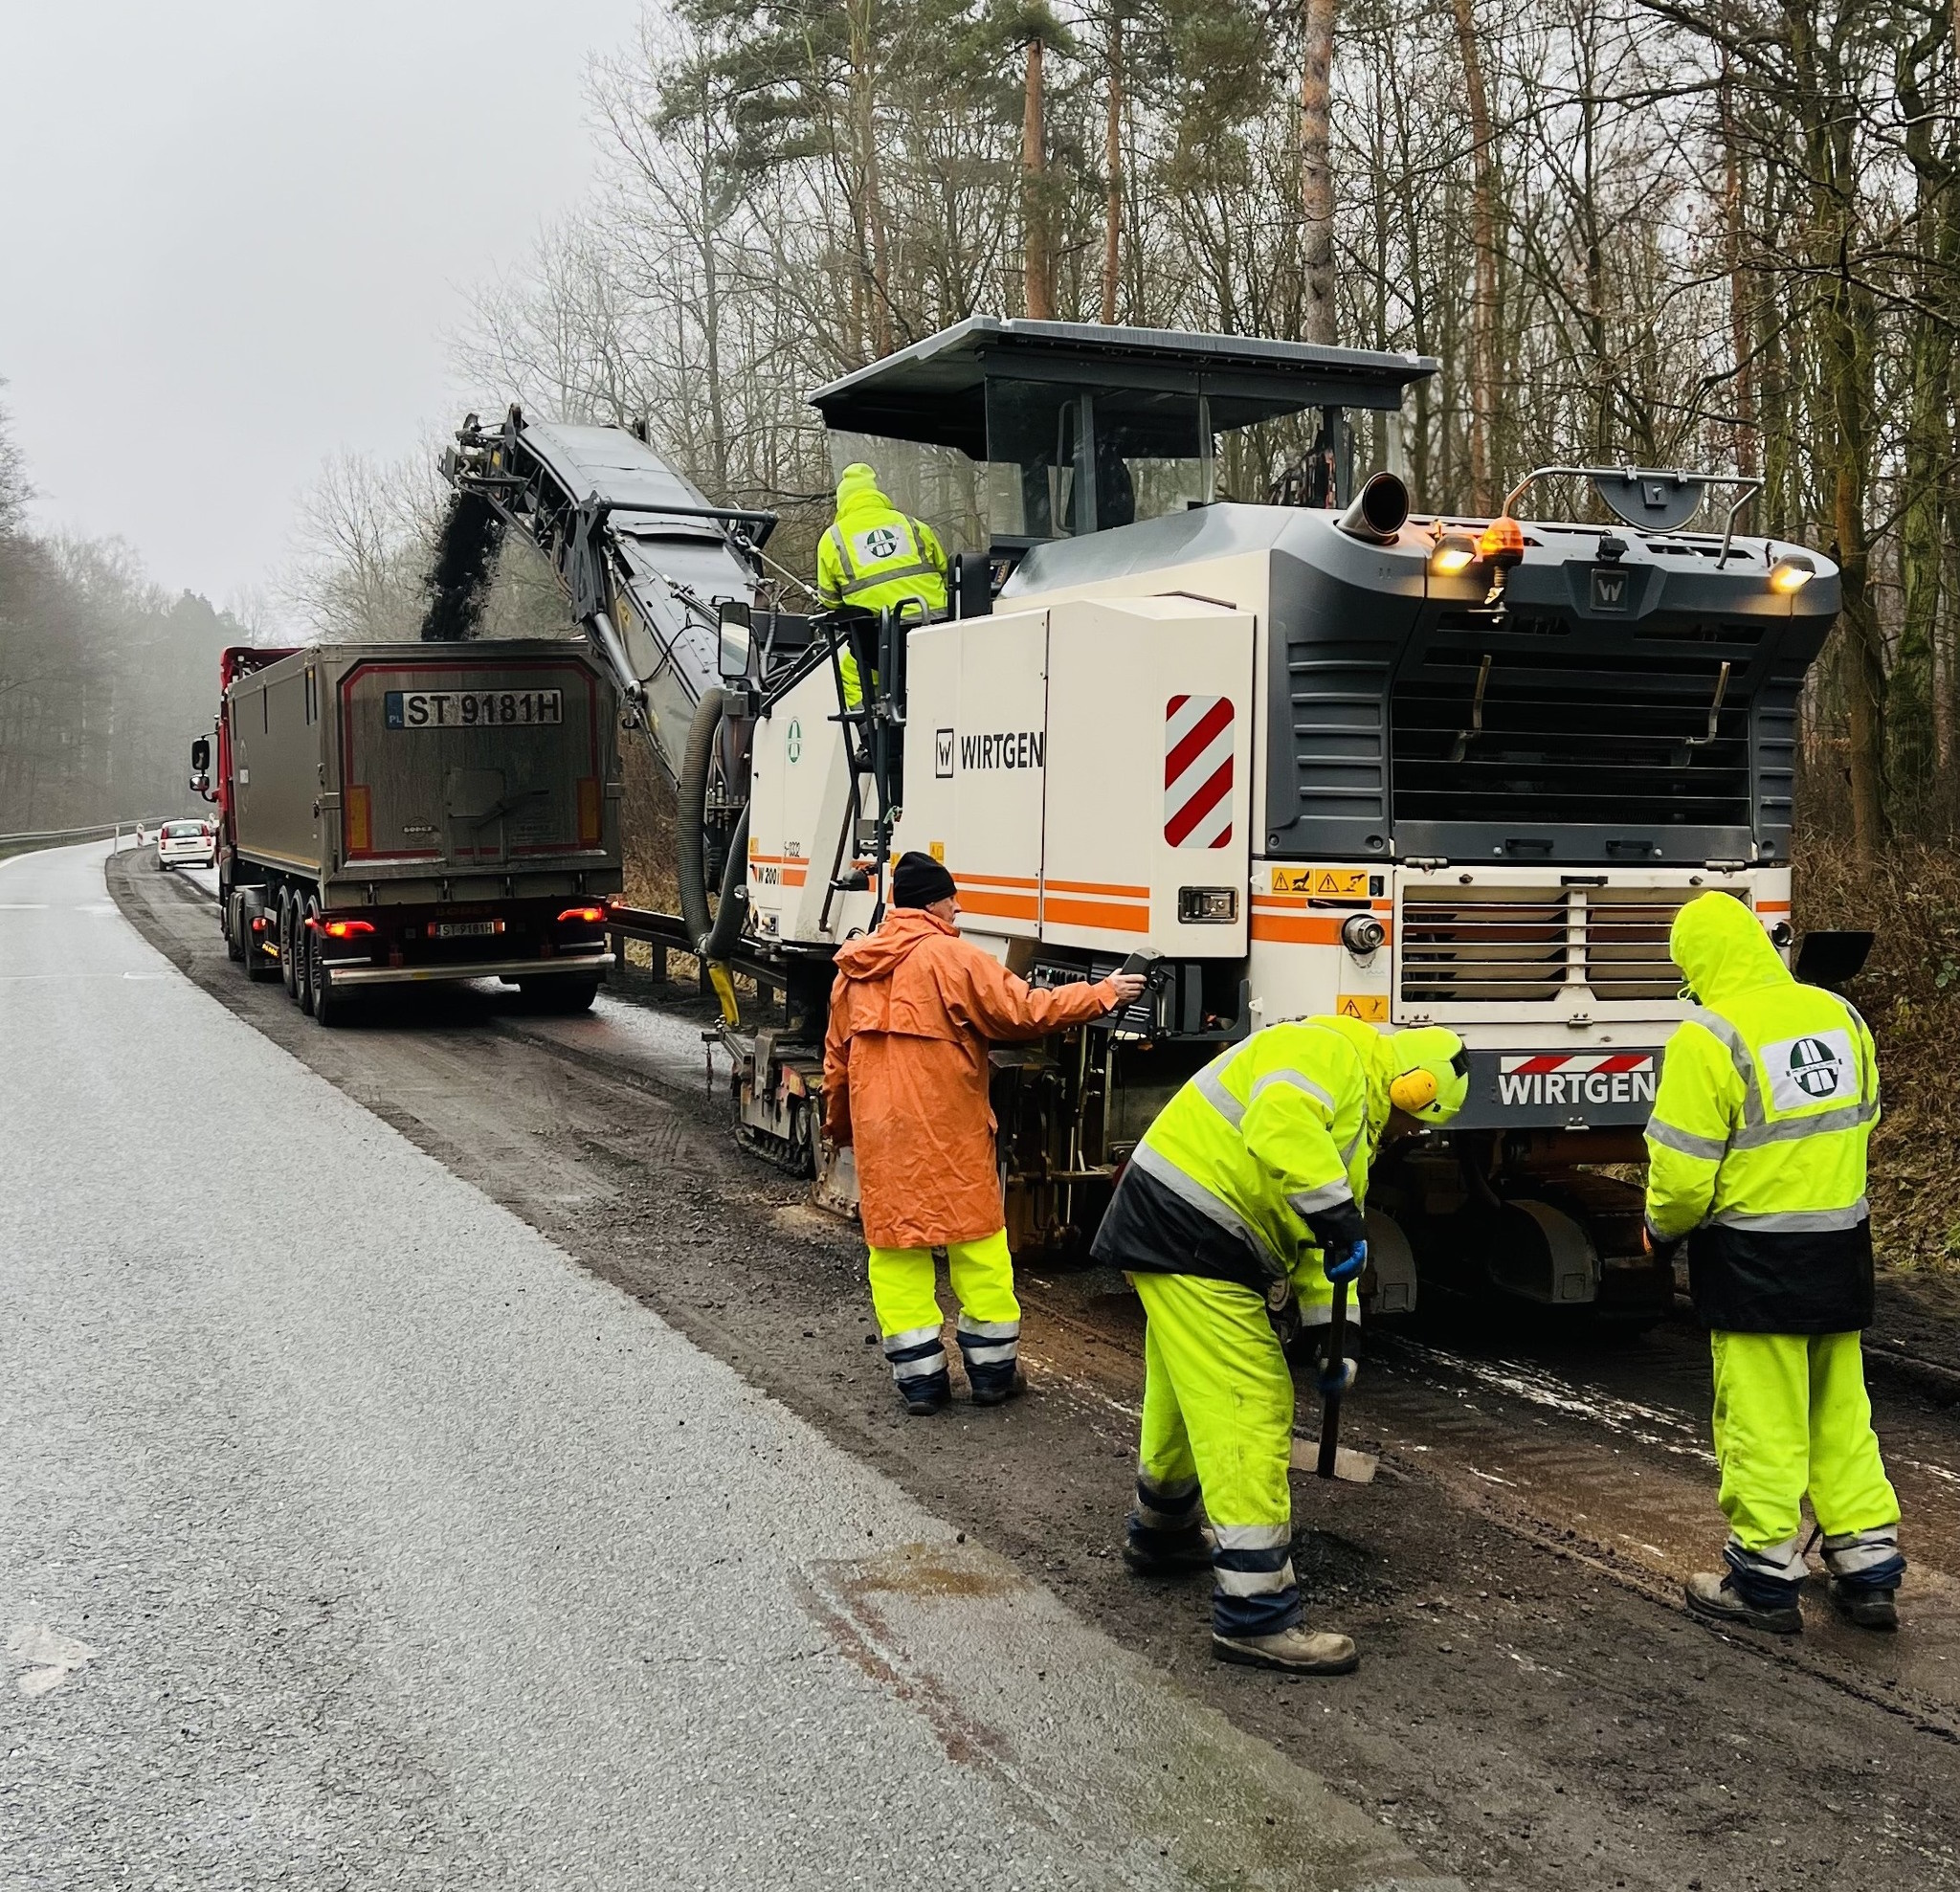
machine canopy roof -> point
(935, 391)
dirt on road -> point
(1534, 1708)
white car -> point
(187, 844)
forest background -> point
(1721, 233)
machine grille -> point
(1502, 729)
(1524, 945)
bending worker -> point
(1239, 1209)
(873, 555)
(1757, 1152)
(904, 1084)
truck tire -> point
(289, 928)
(329, 1005)
(228, 925)
(306, 973)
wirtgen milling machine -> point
(1316, 753)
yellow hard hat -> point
(1432, 1073)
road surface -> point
(353, 1535)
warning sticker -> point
(1371, 1008)
(1337, 882)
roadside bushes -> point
(1910, 993)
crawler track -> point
(1534, 1711)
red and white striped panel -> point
(1532, 1064)
(1197, 771)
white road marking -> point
(53, 1658)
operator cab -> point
(1005, 435)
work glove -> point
(1661, 1247)
(1336, 1380)
(1345, 1265)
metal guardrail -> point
(101, 828)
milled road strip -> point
(400, 1562)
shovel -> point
(1335, 1460)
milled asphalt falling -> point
(351, 1536)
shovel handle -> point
(1330, 1403)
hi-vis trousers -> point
(1793, 1418)
(908, 1314)
(1218, 1431)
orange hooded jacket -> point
(904, 1074)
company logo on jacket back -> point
(997, 748)
(1818, 1069)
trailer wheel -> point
(330, 1006)
(230, 922)
(306, 973)
(289, 928)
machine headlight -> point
(1455, 552)
(1792, 572)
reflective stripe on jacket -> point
(1758, 1137)
(1270, 1143)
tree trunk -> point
(1740, 327)
(1483, 302)
(1037, 275)
(1317, 171)
(1112, 168)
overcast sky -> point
(233, 232)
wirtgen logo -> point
(943, 754)
(1610, 591)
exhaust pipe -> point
(1378, 512)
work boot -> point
(1295, 1651)
(1712, 1595)
(926, 1398)
(1861, 1604)
(997, 1392)
(1171, 1554)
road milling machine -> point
(1304, 750)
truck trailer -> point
(398, 814)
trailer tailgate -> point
(489, 762)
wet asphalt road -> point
(353, 1536)
(1535, 1711)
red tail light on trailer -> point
(593, 916)
(347, 930)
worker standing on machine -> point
(875, 556)
(1241, 1208)
(905, 1083)
(1757, 1160)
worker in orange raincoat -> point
(905, 1083)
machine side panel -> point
(1149, 776)
(975, 756)
(1341, 613)
(798, 806)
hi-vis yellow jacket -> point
(1757, 1143)
(1268, 1149)
(874, 556)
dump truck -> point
(396, 814)
(1311, 748)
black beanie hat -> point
(918, 880)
